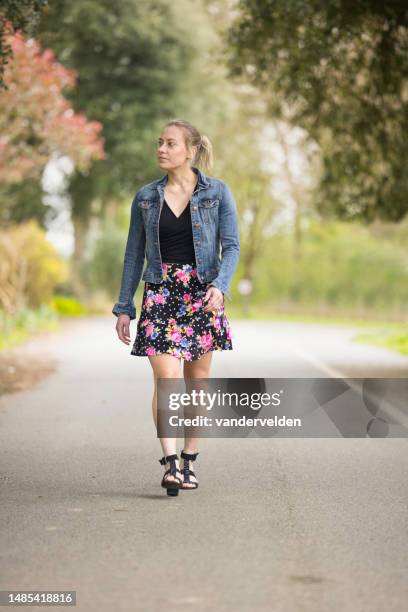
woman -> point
(178, 223)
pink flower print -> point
(149, 329)
(182, 276)
(164, 271)
(187, 297)
(216, 322)
(172, 322)
(194, 272)
(148, 303)
(145, 322)
(196, 306)
(150, 350)
(188, 356)
(159, 299)
(206, 341)
(229, 333)
(189, 331)
(175, 335)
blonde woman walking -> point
(179, 223)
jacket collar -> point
(201, 183)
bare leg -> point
(165, 366)
(199, 368)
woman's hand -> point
(122, 328)
(215, 298)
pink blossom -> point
(150, 350)
(175, 335)
(188, 356)
(183, 276)
(229, 333)
(148, 303)
(186, 297)
(149, 329)
(217, 323)
(189, 331)
(159, 299)
(172, 322)
(196, 305)
(206, 341)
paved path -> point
(276, 524)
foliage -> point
(17, 327)
(338, 69)
(36, 121)
(31, 267)
(102, 268)
(22, 15)
(342, 265)
(137, 63)
(67, 306)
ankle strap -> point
(189, 456)
(165, 460)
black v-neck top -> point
(176, 236)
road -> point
(276, 524)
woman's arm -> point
(133, 263)
(230, 243)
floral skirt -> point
(172, 319)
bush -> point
(103, 269)
(17, 327)
(67, 306)
(30, 269)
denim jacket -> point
(214, 223)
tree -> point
(339, 70)
(36, 122)
(16, 15)
(137, 64)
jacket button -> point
(194, 207)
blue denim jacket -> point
(214, 222)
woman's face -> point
(171, 148)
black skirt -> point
(172, 319)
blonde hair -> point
(204, 152)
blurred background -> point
(306, 104)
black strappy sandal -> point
(186, 470)
(172, 486)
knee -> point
(167, 373)
(197, 373)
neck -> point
(182, 177)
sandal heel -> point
(186, 470)
(172, 486)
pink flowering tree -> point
(36, 122)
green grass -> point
(16, 329)
(19, 327)
(391, 338)
(67, 306)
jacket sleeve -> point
(230, 242)
(133, 263)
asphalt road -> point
(276, 524)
